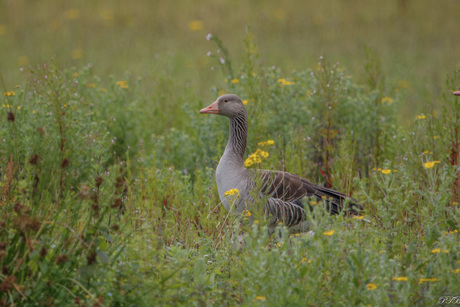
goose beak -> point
(457, 93)
(213, 108)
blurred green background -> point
(416, 41)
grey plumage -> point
(286, 194)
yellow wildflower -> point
(421, 116)
(386, 171)
(264, 154)
(430, 164)
(371, 286)
(387, 100)
(72, 14)
(422, 280)
(77, 54)
(232, 192)
(248, 162)
(92, 85)
(283, 81)
(75, 74)
(19, 108)
(195, 25)
(438, 250)
(104, 90)
(261, 298)
(313, 203)
(246, 213)
(435, 137)
(122, 84)
(10, 93)
(358, 217)
(329, 233)
(245, 102)
(235, 80)
(401, 278)
(304, 259)
(456, 271)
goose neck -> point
(236, 145)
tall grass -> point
(101, 205)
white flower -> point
(222, 60)
(209, 36)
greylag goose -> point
(286, 194)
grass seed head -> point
(10, 117)
(34, 159)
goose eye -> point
(225, 100)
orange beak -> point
(213, 108)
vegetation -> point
(108, 196)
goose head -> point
(228, 105)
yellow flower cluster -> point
(329, 233)
(245, 102)
(421, 116)
(235, 81)
(402, 278)
(261, 298)
(256, 157)
(10, 93)
(7, 106)
(283, 81)
(266, 143)
(246, 213)
(430, 164)
(232, 192)
(122, 84)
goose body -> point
(286, 194)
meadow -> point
(107, 169)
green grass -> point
(108, 196)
